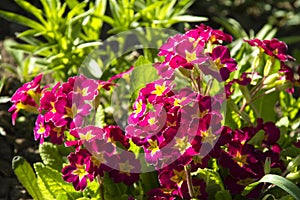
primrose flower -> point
(79, 170)
(56, 133)
(156, 91)
(162, 193)
(26, 98)
(88, 88)
(199, 187)
(41, 129)
(222, 64)
(207, 34)
(172, 176)
(102, 155)
(85, 134)
(273, 48)
(126, 170)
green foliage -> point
(61, 33)
(279, 181)
(50, 156)
(128, 14)
(26, 176)
(27, 66)
(53, 182)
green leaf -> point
(50, 156)
(250, 187)
(93, 190)
(62, 196)
(100, 117)
(44, 189)
(53, 181)
(142, 74)
(26, 176)
(293, 164)
(232, 26)
(281, 182)
(24, 47)
(213, 181)
(149, 180)
(265, 106)
(38, 13)
(112, 190)
(10, 16)
(223, 195)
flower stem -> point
(187, 170)
(101, 188)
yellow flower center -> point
(218, 63)
(182, 144)
(125, 168)
(240, 159)
(178, 177)
(80, 171)
(41, 129)
(88, 136)
(159, 90)
(190, 56)
(139, 107)
(153, 146)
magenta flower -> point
(139, 109)
(222, 64)
(41, 129)
(26, 98)
(114, 134)
(69, 108)
(207, 34)
(79, 170)
(88, 88)
(102, 155)
(156, 91)
(126, 170)
(172, 176)
(151, 123)
(273, 48)
(199, 187)
(56, 133)
(86, 134)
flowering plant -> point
(205, 129)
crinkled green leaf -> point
(44, 190)
(50, 156)
(52, 180)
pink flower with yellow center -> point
(79, 170)
(41, 130)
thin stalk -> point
(101, 188)
(191, 190)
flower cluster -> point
(178, 130)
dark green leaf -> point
(223, 195)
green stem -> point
(191, 190)
(101, 187)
